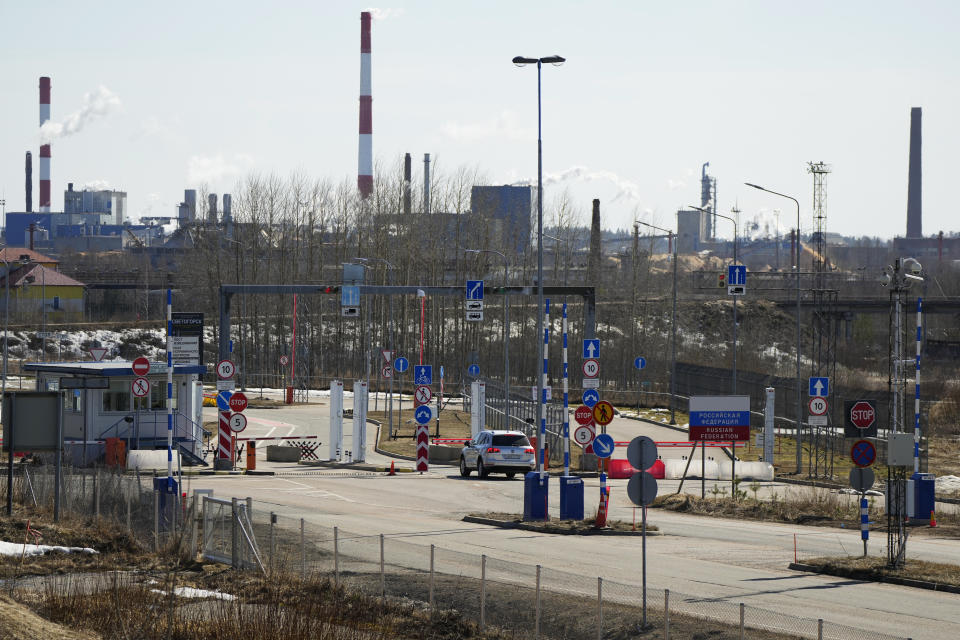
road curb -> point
(860, 575)
(504, 524)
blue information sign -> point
(819, 387)
(349, 296)
(591, 348)
(591, 397)
(737, 274)
(640, 363)
(223, 400)
(474, 370)
(423, 374)
(603, 445)
(423, 414)
(401, 364)
(474, 289)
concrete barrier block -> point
(281, 453)
(442, 454)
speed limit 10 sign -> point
(818, 406)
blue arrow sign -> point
(349, 296)
(223, 400)
(603, 445)
(401, 364)
(591, 397)
(423, 414)
(474, 289)
(819, 387)
(737, 274)
(591, 348)
(474, 370)
(640, 363)
(423, 374)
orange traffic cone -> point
(393, 471)
(933, 519)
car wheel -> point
(463, 467)
(481, 470)
(510, 474)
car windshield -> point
(511, 440)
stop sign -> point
(238, 401)
(583, 415)
(862, 414)
(141, 366)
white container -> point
(747, 470)
(673, 469)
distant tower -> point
(914, 181)
(426, 183)
(29, 171)
(819, 171)
(365, 156)
(708, 201)
(227, 209)
(593, 265)
(406, 184)
(212, 208)
(44, 149)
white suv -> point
(506, 452)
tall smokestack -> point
(212, 208)
(914, 203)
(29, 172)
(44, 149)
(594, 263)
(406, 184)
(426, 183)
(365, 156)
(227, 208)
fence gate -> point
(228, 533)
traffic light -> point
(331, 289)
(722, 280)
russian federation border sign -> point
(723, 418)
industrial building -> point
(111, 203)
(509, 209)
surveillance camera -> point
(913, 266)
(884, 279)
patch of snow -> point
(190, 592)
(14, 549)
(947, 483)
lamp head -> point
(554, 59)
(755, 186)
(521, 61)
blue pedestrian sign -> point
(590, 397)
(349, 296)
(473, 370)
(423, 374)
(474, 289)
(819, 387)
(401, 364)
(640, 363)
(737, 275)
(423, 414)
(591, 348)
(603, 445)
(223, 400)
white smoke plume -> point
(626, 190)
(96, 185)
(96, 104)
(384, 14)
(211, 169)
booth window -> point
(157, 397)
(117, 397)
(73, 401)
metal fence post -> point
(234, 533)
(129, 530)
(432, 548)
(483, 592)
(536, 628)
(666, 614)
(820, 629)
(96, 494)
(599, 607)
(336, 556)
(383, 575)
(303, 553)
(273, 520)
(742, 608)
(156, 520)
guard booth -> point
(99, 403)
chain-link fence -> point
(520, 599)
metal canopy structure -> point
(227, 291)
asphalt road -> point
(710, 558)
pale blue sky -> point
(209, 90)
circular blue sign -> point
(591, 397)
(474, 370)
(423, 414)
(603, 445)
(640, 363)
(401, 364)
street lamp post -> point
(521, 61)
(797, 267)
(671, 238)
(506, 334)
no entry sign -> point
(859, 419)
(141, 366)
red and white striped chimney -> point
(44, 148)
(365, 156)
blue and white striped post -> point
(566, 399)
(169, 392)
(541, 441)
(864, 522)
(916, 394)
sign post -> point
(725, 418)
(642, 489)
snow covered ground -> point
(14, 549)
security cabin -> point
(107, 400)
